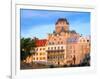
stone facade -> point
(63, 46)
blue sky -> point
(38, 23)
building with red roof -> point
(41, 42)
(62, 47)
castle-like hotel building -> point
(62, 47)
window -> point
(83, 40)
(74, 51)
(80, 40)
(40, 53)
(87, 40)
(58, 47)
(70, 51)
(61, 47)
(52, 43)
(55, 39)
(37, 49)
(40, 58)
(43, 48)
(51, 47)
(43, 53)
(36, 53)
(71, 56)
(44, 58)
(59, 38)
(61, 57)
(61, 42)
(58, 42)
(55, 48)
(49, 43)
(33, 58)
(40, 48)
(48, 57)
(70, 47)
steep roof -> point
(41, 42)
(62, 19)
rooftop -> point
(41, 42)
(62, 19)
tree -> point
(86, 60)
(26, 45)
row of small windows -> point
(56, 62)
(69, 47)
(57, 39)
(51, 48)
(71, 51)
(40, 54)
(56, 57)
(37, 49)
(54, 53)
(83, 40)
(39, 58)
(70, 56)
(52, 43)
(61, 42)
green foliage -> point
(26, 45)
(86, 60)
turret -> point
(62, 25)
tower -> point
(61, 25)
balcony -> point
(62, 50)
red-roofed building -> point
(41, 42)
(62, 47)
(40, 51)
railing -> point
(62, 50)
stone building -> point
(40, 54)
(63, 46)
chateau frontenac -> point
(62, 47)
